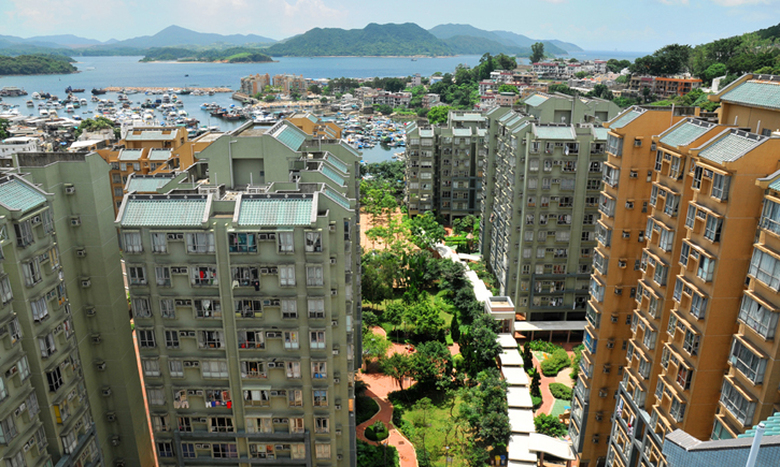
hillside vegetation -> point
(35, 65)
(230, 55)
(373, 40)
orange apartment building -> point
(707, 300)
(623, 204)
(151, 150)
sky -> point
(625, 25)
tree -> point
(508, 88)
(485, 409)
(420, 420)
(374, 346)
(89, 125)
(537, 52)
(432, 364)
(4, 128)
(616, 66)
(384, 109)
(562, 88)
(269, 98)
(394, 314)
(455, 329)
(505, 62)
(315, 89)
(397, 366)
(536, 384)
(425, 318)
(426, 232)
(549, 425)
(528, 359)
(601, 91)
(479, 345)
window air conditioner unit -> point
(90, 311)
(111, 416)
(70, 189)
(86, 283)
(101, 365)
(96, 338)
(336, 380)
(334, 323)
(338, 406)
(106, 391)
(75, 221)
(599, 416)
(115, 440)
(81, 252)
(610, 344)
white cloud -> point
(43, 16)
(730, 3)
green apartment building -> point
(245, 290)
(70, 392)
(540, 186)
(444, 166)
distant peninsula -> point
(36, 65)
(229, 55)
(379, 40)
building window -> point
(698, 305)
(257, 397)
(200, 242)
(248, 308)
(207, 308)
(24, 234)
(132, 242)
(290, 340)
(320, 398)
(749, 364)
(163, 276)
(720, 186)
(159, 242)
(214, 369)
(732, 399)
(54, 378)
(712, 228)
(167, 308)
(259, 425)
(6, 293)
(253, 369)
(322, 450)
(141, 308)
(251, 339)
(317, 339)
(239, 242)
(151, 367)
(313, 242)
(684, 376)
(245, 276)
(287, 275)
(7, 430)
(171, 339)
(210, 340)
(706, 268)
(146, 338)
(175, 369)
(691, 342)
(203, 276)
(770, 217)
(294, 398)
(224, 450)
(32, 272)
(164, 449)
(285, 242)
(293, 370)
(765, 268)
(40, 309)
(758, 317)
(289, 308)
(221, 425)
(314, 277)
(319, 370)
(321, 425)
(677, 410)
(69, 442)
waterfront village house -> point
(315, 126)
(254, 84)
(70, 390)
(150, 150)
(663, 87)
(702, 203)
(244, 287)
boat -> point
(96, 91)
(30, 104)
(12, 91)
(69, 90)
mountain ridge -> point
(508, 38)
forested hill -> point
(35, 65)
(374, 40)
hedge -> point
(543, 346)
(560, 391)
(555, 363)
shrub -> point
(369, 455)
(537, 401)
(377, 432)
(555, 363)
(543, 346)
(575, 361)
(548, 425)
(366, 408)
(560, 391)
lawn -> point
(441, 430)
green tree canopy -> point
(425, 318)
(89, 125)
(432, 363)
(537, 52)
(4, 128)
(508, 88)
(398, 366)
(375, 346)
(426, 231)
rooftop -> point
(535, 100)
(626, 117)
(159, 155)
(755, 93)
(147, 184)
(685, 132)
(130, 154)
(554, 132)
(730, 145)
(276, 210)
(18, 195)
(289, 135)
(600, 133)
(164, 211)
(151, 135)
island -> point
(36, 65)
(212, 55)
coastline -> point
(194, 61)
